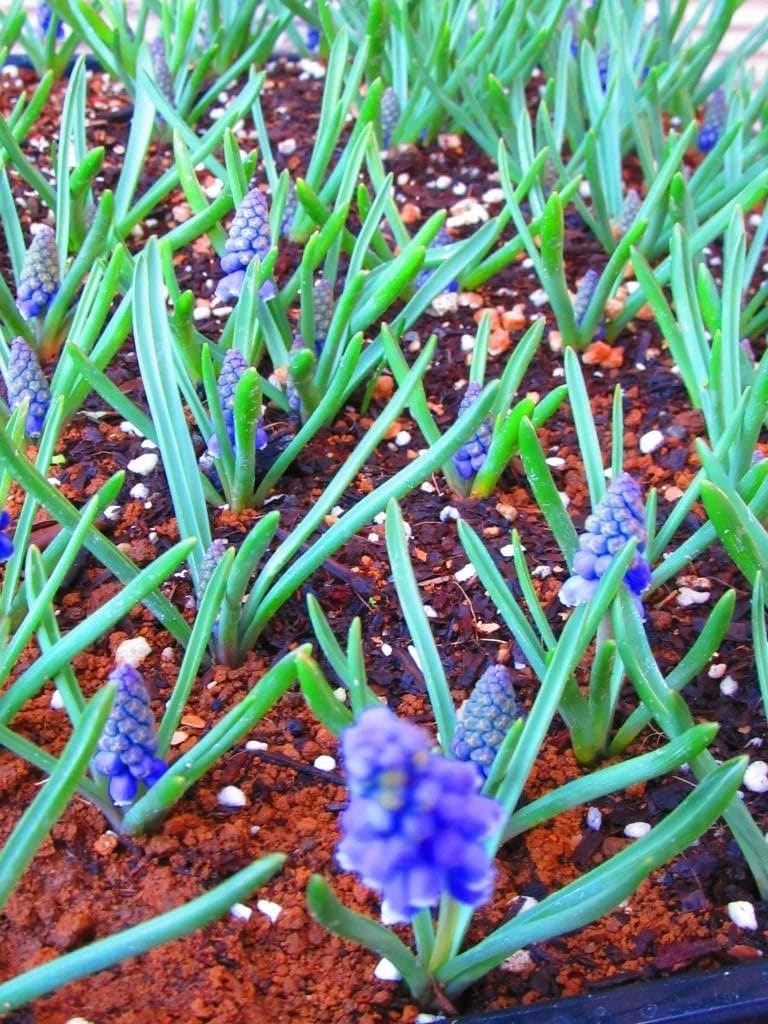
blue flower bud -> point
(486, 718)
(160, 69)
(249, 238)
(232, 369)
(713, 123)
(584, 295)
(618, 518)
(441, 238)
(24, 378)
(289, 210)
(389, 114)
(39, 279)
(6, 544)
(629, 210)
(126, 749)
(322, 310)
(603, 65)
(44, 17)
(415, 823)
(213, 555)
(471, 456)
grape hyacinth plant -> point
(39, 278)
(26, 381)
(415, 824)
(618, 518)
(6, 544)
(470, 458)
(126, 752)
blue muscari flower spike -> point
(24, 378)
(232, 369)
(6, 544)
(313, 39)
(715, 114)
(603, 64)
(471, 456)
(486, 718)
(213, 555)
(415, 823)
(618, 518)
(249, 237)
(584, 295)
(571, 17)
(44, 17)
(441, 238)
(39, 278)
(127, 747)
(322, 310)
(390, 115)
(160, 69)
(289, 210)
(629, 210)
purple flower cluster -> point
(415, 823)
(127, 747)
(322, 309)
(6, 544)
(715, 114)
(584, 295)
(618, 518)
(232, 369)
(629, 210)
(249, 238)
(471, 456)
(24, 378)
(160, 69)
(39, 278)
(44, 18)
(486, 718)
(389, 115)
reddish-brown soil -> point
(86, 883)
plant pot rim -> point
(728, 996)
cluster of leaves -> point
(230, 414)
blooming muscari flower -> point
(322, 310)
(6, 544)
(126, 749)
(584, 295)
(617, 519)
(471, 456)
(415, 823)
(486, 718)
(715, 114)
(39, 279)
(249, 238)
(390, 115)
(24, 378)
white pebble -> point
(717, 671)
(508, 551)
(448, 512)
(594, 818)
(373, 538)
(402, 438)
(132, 652)
(469, 572)
(286, 147)
(112, 513)
(231, 796)
(76, 1020)
(742, 913)
(526, 903)
(415, 655)
(129, 428)
(427, 487)
(385, 970)
(337, 511)
(57, 701)
(140, 492)
(687, 597)
(340, 694)
(256, 745)
(493, 195)
(756, 777)
(144, 464)
(651, 441)
(637, 829)
(386, 650)
(519, 962)
(467, 342)
(539, 297)
(269, 909)
(241, 912)
(325, 763)
(555, 462)
(728, 686)
(427, 1018)
(443, 181)
(429, 611)
(150, 445)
